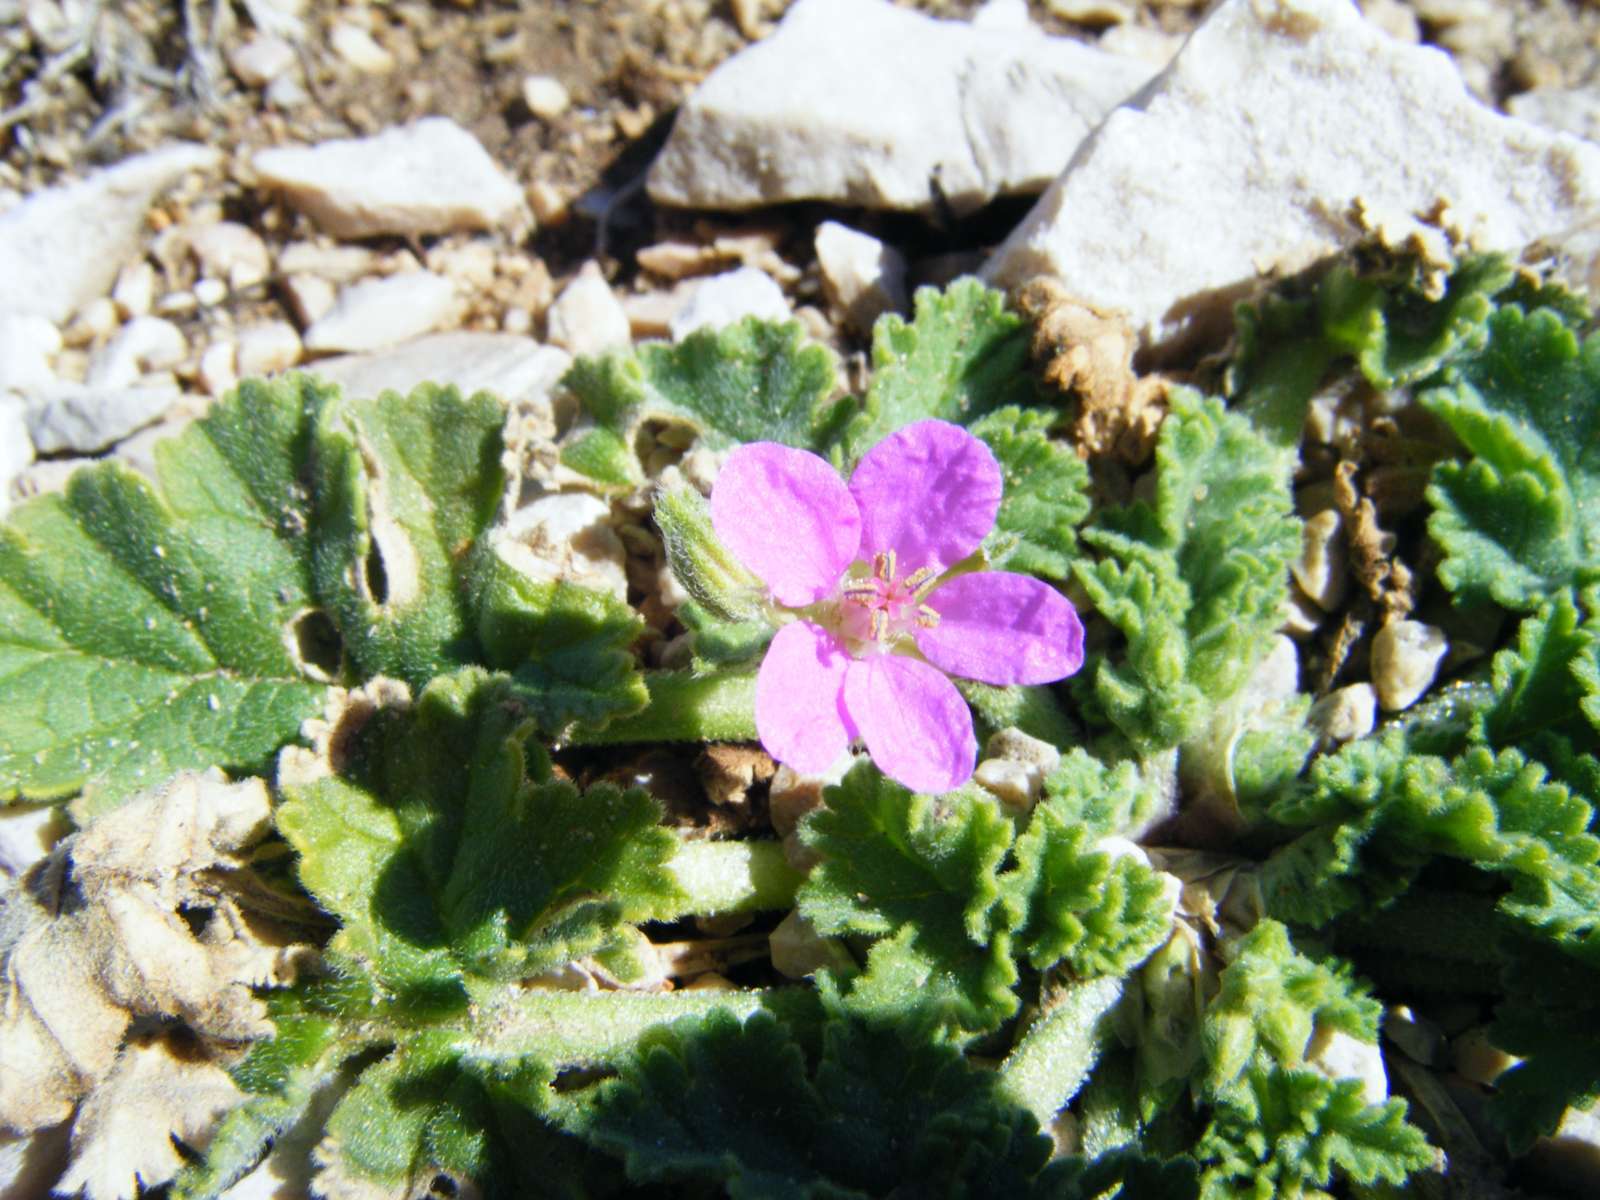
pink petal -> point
(787, 516)
(917, 727)
(928, 492)
(800, 713)
(1002, 628)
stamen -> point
(914, 581)
(860, 589)
(883, 565)
(880, 624)
(927, 617)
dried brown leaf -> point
(160, 1088)
(1088, 353)
(104, 930)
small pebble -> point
(267, 348)
(1346, 714)
(586, 317)
(546, 96)
(144, 344)
(210, 292)
(1405, 659)
(218, 370)
(357, 47)
(261, 59)
(135, 289)
(310, 296)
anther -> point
(880, 624)
(927, 617)
(919, 577)
(883, 565)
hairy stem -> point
(728, 877)
(685, 708)
(1048, 1066)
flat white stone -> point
(144, 344)
(260, 60)
(16, 446)
(863, 103)
(863, 277)
(380, 312)
(587, 318)
(1571, 110)
(267, 348)
(428, 177)
(358, 48)
(62, 247)
(219, 368)
(728, 298)
(72, 416)
(1276, 120)
(516, 369)
(27, 344)
(27, 832)
(135, 289)
(566, 536)
(228, 250)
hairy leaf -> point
(1272, 999)
(1196, 579)
(753, 381)
(1045, 496)
(1519, 520)
(921, 875)
(444, 858)
(734, 1104)
(962, 355)
(1071, 897)
(1286, 1134)
(148, 628)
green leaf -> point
(1540, 684)
(1071, 900)
(920, 874)
(1046, 491)
(1519, 520)
(1286, 1134)
(145, 629)
(1272, 999)
(1384, 315)
(734, 1105)
(961, 356)
(753, 381)
(566, 645)
(405, 488)
(1549, 1017)
(446, 860)
(1196, 580)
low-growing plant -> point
(385, 878)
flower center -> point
(890, 605)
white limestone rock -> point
(862, 103)
(380, 312)
(16, 446)
(1571, 110)
(428, 177)
(1346, 713)
(73, 416)
(62, 247)
(863, 277)
(517, 369)
(728, 298)
(27, 344)
(587, 318)
(267, 348)
(546, 96)
(230, 251)
(1273, 124)
(566, 537)
(143, 345)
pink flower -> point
(879, 621)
